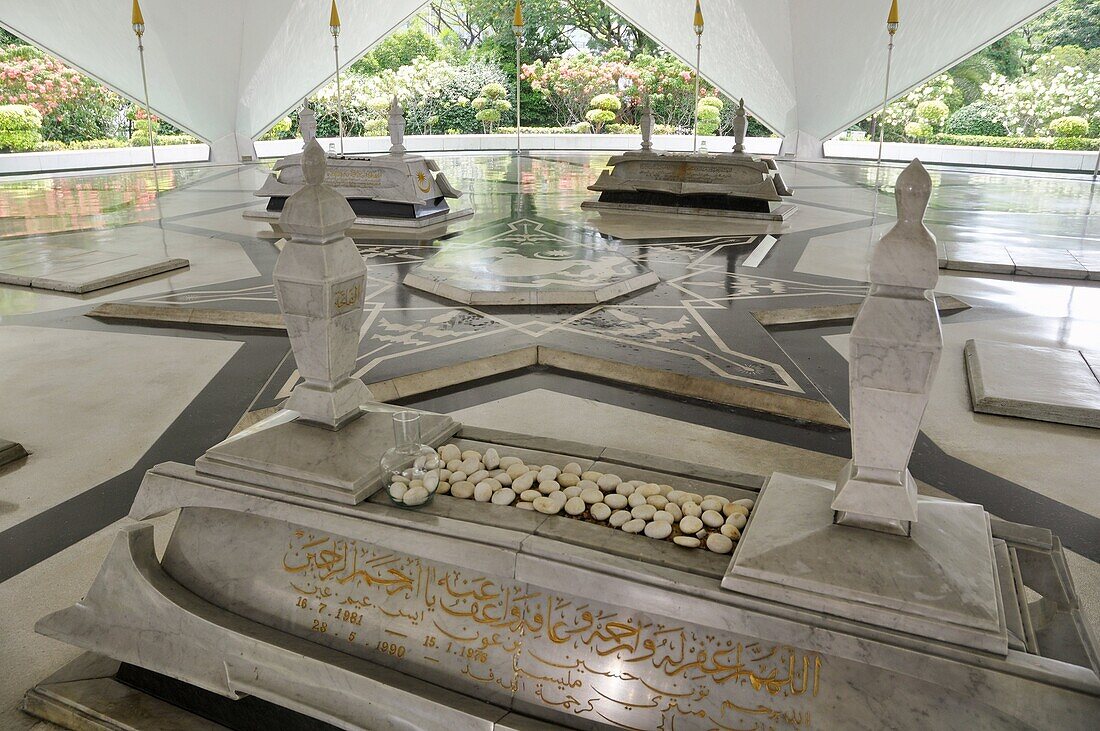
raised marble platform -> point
(525, 262)
(472, 615)
(1021, 261)
(1046, 384)
(304, 459)
(11, 451)
(76, 270)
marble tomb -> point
(319, 608)
(398, 189)
(734, 184)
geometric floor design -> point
(695, 333)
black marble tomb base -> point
(713, 201)
(369, 208)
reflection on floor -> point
(99, 401)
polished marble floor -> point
(99, 400)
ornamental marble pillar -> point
(397, 128)
(319, 280)
(894, 351)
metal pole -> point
(885, 97)
(339, 97)
(695, 129)
(148, 109)
(519, 42)
(1096, 167)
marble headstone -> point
(893, 352)
(855, 549)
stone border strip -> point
(1020, 261)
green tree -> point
(399, 49)
(10, 39)
(1069, 23)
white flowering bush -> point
(1028, 105)
(933, 94)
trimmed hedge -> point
(142, 140)
(979, 118)
(20, 128)
(1024, 143)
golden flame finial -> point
(136, 19)
(333, 16)
(517, 18)
(892, 18)
(698, 21)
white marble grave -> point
(735, 185)
(397, 189)
(868, 547)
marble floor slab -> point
(77, 271)
(1047, 384)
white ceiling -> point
(219, 68)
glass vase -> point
(410, 468)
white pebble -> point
(573, 469)
(503, 478)
(546, 505)
(400, 478)
(524, 481)
(607, 483)
(444, 488)
(709, 504)
(615, 501)
(664, 515)
(600, 511)
(444, 474)
(471, 454)
(573, 491)
(529, 495)
(634, 526)
(636, 499)
(691, 509)
(470, 466)
(657, 501)
(548, 486)
(665, 489)
(702, 535)
(462, 489)
(690, 524)
(416, 496)
(458, 476)
(675, 496)
(483, 492)
(730, 532)
(719, 543)
(593, 476)
(547, 473)
(650, 489)
(506, 462)
(398, 490)
(712, 518)
(525, 506)
(618, 518)
(449, 451)
(734, 509)
(575, 506)
(658, 529)
(559, 496)
(695, 497)
(491, 459)
(431, 481)
(674, 510)
(591, 497)
(737, 521)
(722, 500)
(587, 485)
(476, 477)
(517, 470)
(625, 488)
(568, 480)
(504, 496)
(645, 512)
(454, 464)
(745, 502)
(686, 541)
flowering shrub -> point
(933, 111)
(709, 112)
(72, 105)
(936, 93)
(1028, 105)
(436, 94)
(918, 130)
(20, 128)
(490, 105)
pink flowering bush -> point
(73, 106)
